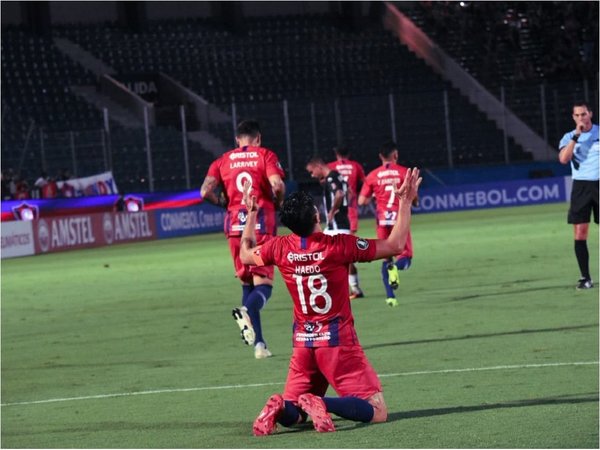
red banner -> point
(61, 233)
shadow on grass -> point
(518, 291)
(483, 335)
(558, 400)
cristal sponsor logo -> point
(43, 235)
(341, 167)
(388, 173)
(305, 257)
(243, 155)
(107, 226)
(362, 244)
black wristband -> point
(575, 137)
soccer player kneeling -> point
(326, 350)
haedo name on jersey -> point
(310, 258)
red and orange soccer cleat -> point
(356, 292)
(266, 422)
(315, 408)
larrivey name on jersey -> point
(243, 164)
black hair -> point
(250, 128)
(315, 160)
(343, 151)
(298, 213)
(581, 103)
(387, 148)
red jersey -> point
(380, 183)
(353, 174)
(232, 169)
(315, 270)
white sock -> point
(353, 280)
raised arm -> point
(248, 239)
(396, 241)
(566, 153)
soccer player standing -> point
(381, 183)
(354, 176)
(326, 350)
(580, 147)
(260, 167)
(336, 205)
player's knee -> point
(379, 408)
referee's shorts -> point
(584, 201)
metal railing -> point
(434, 129)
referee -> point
(580, 147)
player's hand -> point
(249, 201)
(409, 189)
(223, 201)
(579, 129)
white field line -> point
(244, 386)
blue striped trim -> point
(303, 243)
(334, 330)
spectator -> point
(5, 187)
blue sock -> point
(352, 408)
(255, 301)
(246, 289)
(290, 414)
(403, 263)
(386, 284)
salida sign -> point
(55, 234)
(143, 84)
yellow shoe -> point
(393, 276)
(391, 302)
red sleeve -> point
(214, 170)
(366, 190)
(272, 164)
(263, 254)
(357, 249)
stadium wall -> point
(88, 12)
(57, 233)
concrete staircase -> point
(422, 46)
(83, 57)
(116, 112)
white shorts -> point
(334, 232)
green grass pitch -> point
(133, 346)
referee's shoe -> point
(584, 283)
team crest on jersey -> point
(242, 216)
(362, 244)
(313, 327)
